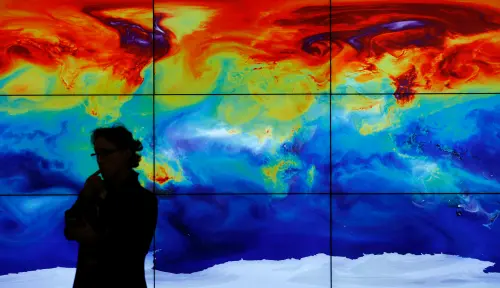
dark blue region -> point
(484, 146)
(159, 34)
(37, 246)
(136, 36)
(367, 178)
(374, 224)
(31, 173)
(309, 44)
(193, 232)
(132, 34)
(403, 25)
(162, 38)
(387, 27)
(477, 154)
(197, 232)
(363, 171)
(49, 139)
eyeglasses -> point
(104, 153)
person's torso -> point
(108, 259)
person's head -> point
(115, 150)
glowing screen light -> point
(415, 47)
(390, 105)
(435, 143)
(249, 144)
(72, 47)
(222, 46)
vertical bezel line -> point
(330, 12)
(154, 139)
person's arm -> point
(72, 218)
(76, 227)
(82, 233)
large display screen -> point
(291, 143)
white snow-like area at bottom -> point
(382, 271)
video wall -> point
(290, 143)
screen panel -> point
(33, 249)
(243, 241)
(242, 144)
(428, 143)
(32, 239)
(408, 47)
(45, 140)
(76, 47)
(415, 240)
(242, 47)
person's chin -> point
(105, 174)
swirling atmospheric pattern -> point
(401, 47)
(408, 47)
(222, 46)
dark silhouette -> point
(114, 218)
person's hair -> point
(122, 138)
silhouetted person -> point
(114, 218)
